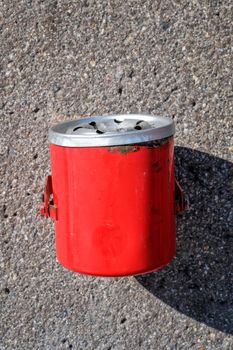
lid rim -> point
(58, 135)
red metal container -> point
(113, 194)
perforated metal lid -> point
(114, 130)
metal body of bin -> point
(113, 194)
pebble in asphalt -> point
(68, 59)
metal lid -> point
(114, 130)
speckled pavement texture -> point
(68, 59)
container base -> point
(123, 274)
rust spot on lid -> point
(136, 147)
(124, 149)
(156, 143)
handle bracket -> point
(181, 201)
(47, 207)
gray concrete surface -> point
(66, 59)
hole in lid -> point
(78, 127)
(92, 124)
(138, 127)
(99, 132)
(140, 121)
(118, 121)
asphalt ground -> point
(68, 59)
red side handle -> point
(47, 207)
(181, 201)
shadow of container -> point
(199, 281)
